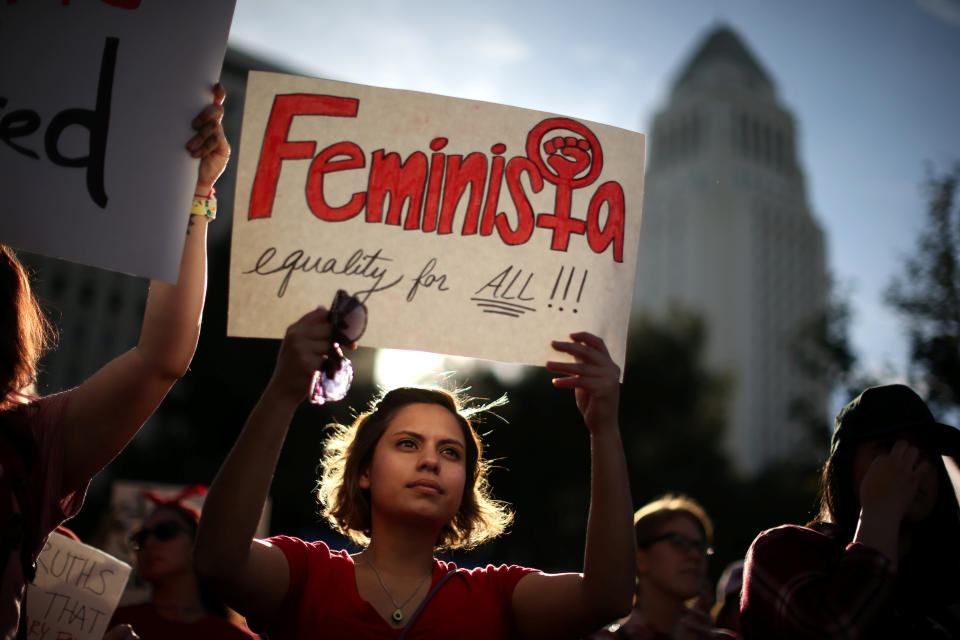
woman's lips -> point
(426, 486)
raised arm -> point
(575, 604)
(108, 409)
(250, 575)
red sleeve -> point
(502, 580)
(802, 583)
(56, 503)
(303, 559)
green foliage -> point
(822, 353)
(927, 293)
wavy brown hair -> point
(25, 332)
(349, 452)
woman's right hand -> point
(890, 484)
(304, 347)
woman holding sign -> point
(406, 479)
(52, 446)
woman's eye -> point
(406, 444)
(451, 452)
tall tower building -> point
(727, 233)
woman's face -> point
(927, 463)
(418, 470)
(167, 550)
(675, 563)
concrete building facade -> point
(727, 233)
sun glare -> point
(397, 368)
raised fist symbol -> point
(568, 156)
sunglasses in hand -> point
(349, 319)
(166, 530)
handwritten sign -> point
(468, 228)
(96, 100)
(76, 589)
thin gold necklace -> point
(397, 614)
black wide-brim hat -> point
(887, 409)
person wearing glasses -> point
(51, 446)
(673, 535)
(180, 607)
(405, 480)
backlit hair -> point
(25, 332)
(650, 517)
(349, 452)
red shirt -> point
(50, 502)
(323, 601)
(150, 625)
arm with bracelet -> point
(110, 407)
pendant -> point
(397, 614)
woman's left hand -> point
(595, 377)
(209, 143)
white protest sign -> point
(467, 228)
(96, 99)
(75, 591)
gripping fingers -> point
(581, 352)
(591, 340)
(211, 113)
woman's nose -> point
(428, 460)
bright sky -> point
(873, 86)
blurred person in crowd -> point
(180, 607)
(50, 447)
(673, 595)
(726, 610)
(881, 559)
(405, 480)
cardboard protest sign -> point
(76, 589)
(467, 228)
(96, 100)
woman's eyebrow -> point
(420, 438)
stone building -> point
(727, 232)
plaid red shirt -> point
(802, 582)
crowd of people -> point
(408, 479)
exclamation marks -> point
(566, 287)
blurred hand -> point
(210, 144)
(304, 346)
(595, 378)
(694, 624)
(890, 484)
(121, 632)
